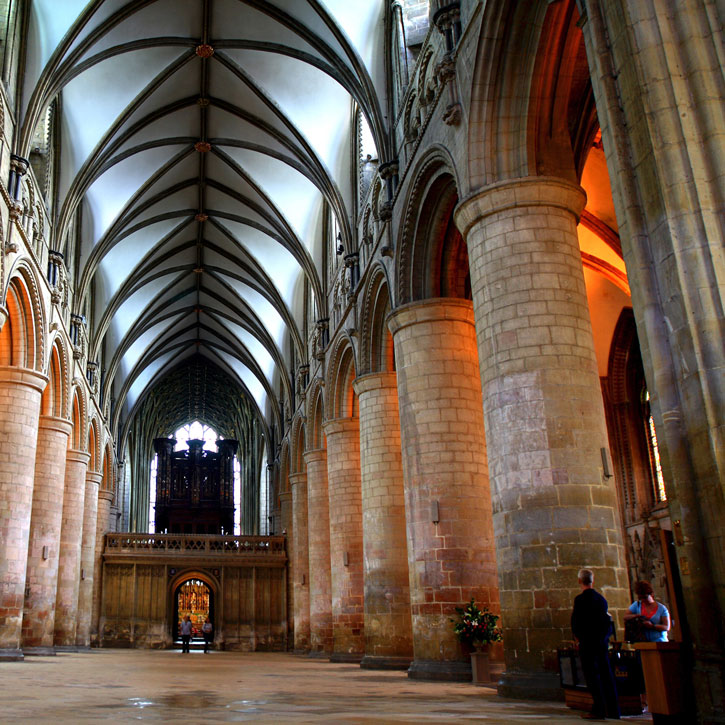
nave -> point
(165, 686)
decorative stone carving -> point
(452, 115)
(78, 336)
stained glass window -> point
(660, 493)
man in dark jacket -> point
(591, 625)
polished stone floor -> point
(163, 686)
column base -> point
(353, 657)
(373, 662)
(452, 671)
(530, 686)
(301, 651)
(318, 655)
(71, 648)
(11, 655)
(39, 651)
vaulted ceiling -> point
(202, 144)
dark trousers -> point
(185, 642)
(207, 639)
(599, 677)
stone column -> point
(71, 537)
(447, 498)
(318, 508)
(388, 628)
(45, 522)
(88, 558)
(285, 517)
(545, 426)
(300, 562)
(346, 549)
(103, 526)
(20, 392)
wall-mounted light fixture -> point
(345, 559)
(434, 512)
(45, 553)
(607, 463)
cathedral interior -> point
(320, 318)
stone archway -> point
(193, 594)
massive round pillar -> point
(318, 507)
(88, 558)
(545, 426)
(43, 547)
(20, 392)
(71, 537)
(346, 549)
(300, 562)
(287, 530)
(447, 498)
(388, 628)
(103, 526)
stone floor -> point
(161, 686)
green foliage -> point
(475, 626)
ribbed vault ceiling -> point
(202, 144)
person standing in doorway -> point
(186, 630)
(207, 629)
(591, 625)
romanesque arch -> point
(79, 415)
(341, 399)
(94, 446)
(297, 444)
(56, 399)
(108, 483)
(22, 338)
(315, 416)
(284, 467)
(376, 344)
(431, 251)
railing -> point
(211, 545)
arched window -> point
(196, 431)
(659, 493)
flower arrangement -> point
(475, 627)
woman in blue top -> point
(653, 617)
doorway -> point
(195, 598)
